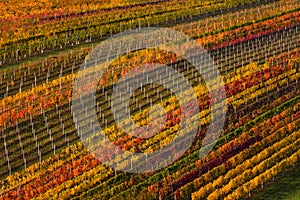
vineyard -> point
(255, 48)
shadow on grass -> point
(286, 186)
